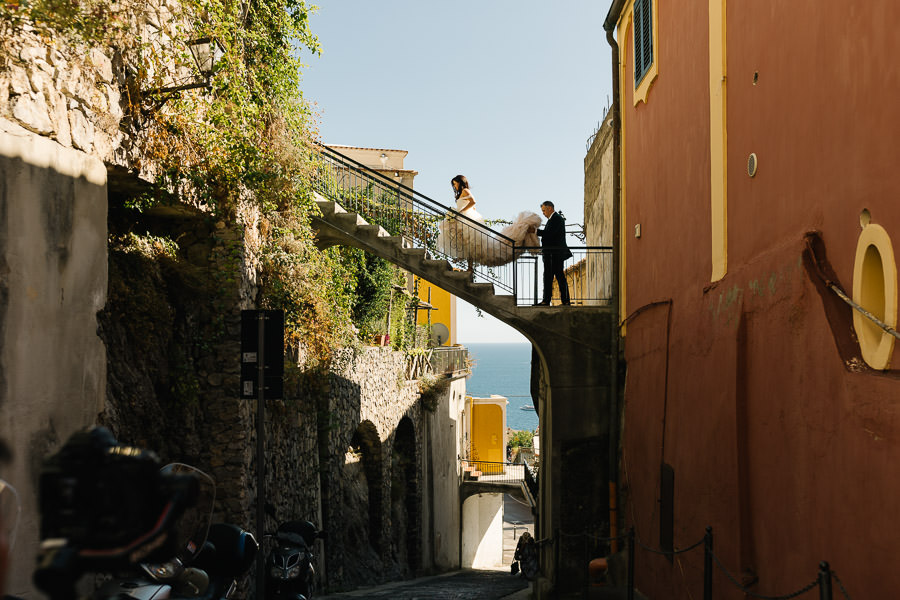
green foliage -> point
(370, 290)
(431, 388)
(310, 287)
(241, 150)
(523, 439)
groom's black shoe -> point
(544, 303)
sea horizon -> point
(504, 369)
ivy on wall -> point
(240, 150)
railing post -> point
(536, 299)
(824, 581)
(630, 591)
(515, 269)
(707, 564)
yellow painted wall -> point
(718, 139)
(487, 433)
(444, 302)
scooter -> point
(290, 574)
(109, 508)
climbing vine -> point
(241, 150)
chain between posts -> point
(800, 592)
(822, 580)
(840, 585)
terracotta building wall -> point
(781, 440)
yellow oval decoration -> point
(875, 289)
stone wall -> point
(598, 205)
(366, 399)
(72, 98)
(152, 352)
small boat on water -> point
(527, 407)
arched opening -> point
(405, 513)
(364, 485)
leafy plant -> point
(431, 389)
(523, 439)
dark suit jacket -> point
(553, 235)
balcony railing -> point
(485, 471)
(446, 360)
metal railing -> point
(445, 233)
(485, 471)
(448, 359)
(531, 480)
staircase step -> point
(459, 275)
(438, 264)
(328, 207)
(376, 230)
(414, 252)
(482, 288)
(348, 220)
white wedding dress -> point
(461, 238)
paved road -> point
(466, 584)
(459, 585)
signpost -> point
(262, 376)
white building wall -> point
(445, 434)
(482, 543)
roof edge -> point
(612, 17)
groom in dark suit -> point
(554, 254)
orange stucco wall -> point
(780, 438)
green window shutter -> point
(643, 39)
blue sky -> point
(505, 92)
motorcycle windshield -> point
(192, 527)
(10, 512)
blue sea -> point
(505, 370)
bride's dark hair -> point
(463, 185)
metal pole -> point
(515, 269)
(260, 453)
(824, 581)
(707, 564)
(631, 563)
(536, 299)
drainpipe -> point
(612, 18)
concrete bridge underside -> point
(578, 399)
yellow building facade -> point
(441, 316)
(487, 424)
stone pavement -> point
(466, 584)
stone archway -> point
(364, 489)
(405, 500)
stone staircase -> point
(336, 226)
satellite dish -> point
(439, 334)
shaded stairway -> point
(575, 348)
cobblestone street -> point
(459, 585)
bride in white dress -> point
(474, 241)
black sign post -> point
(262, 373)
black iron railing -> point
(531, 480)
(448, 234)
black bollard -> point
(707, 564)
(631, 563)
(824, 581)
